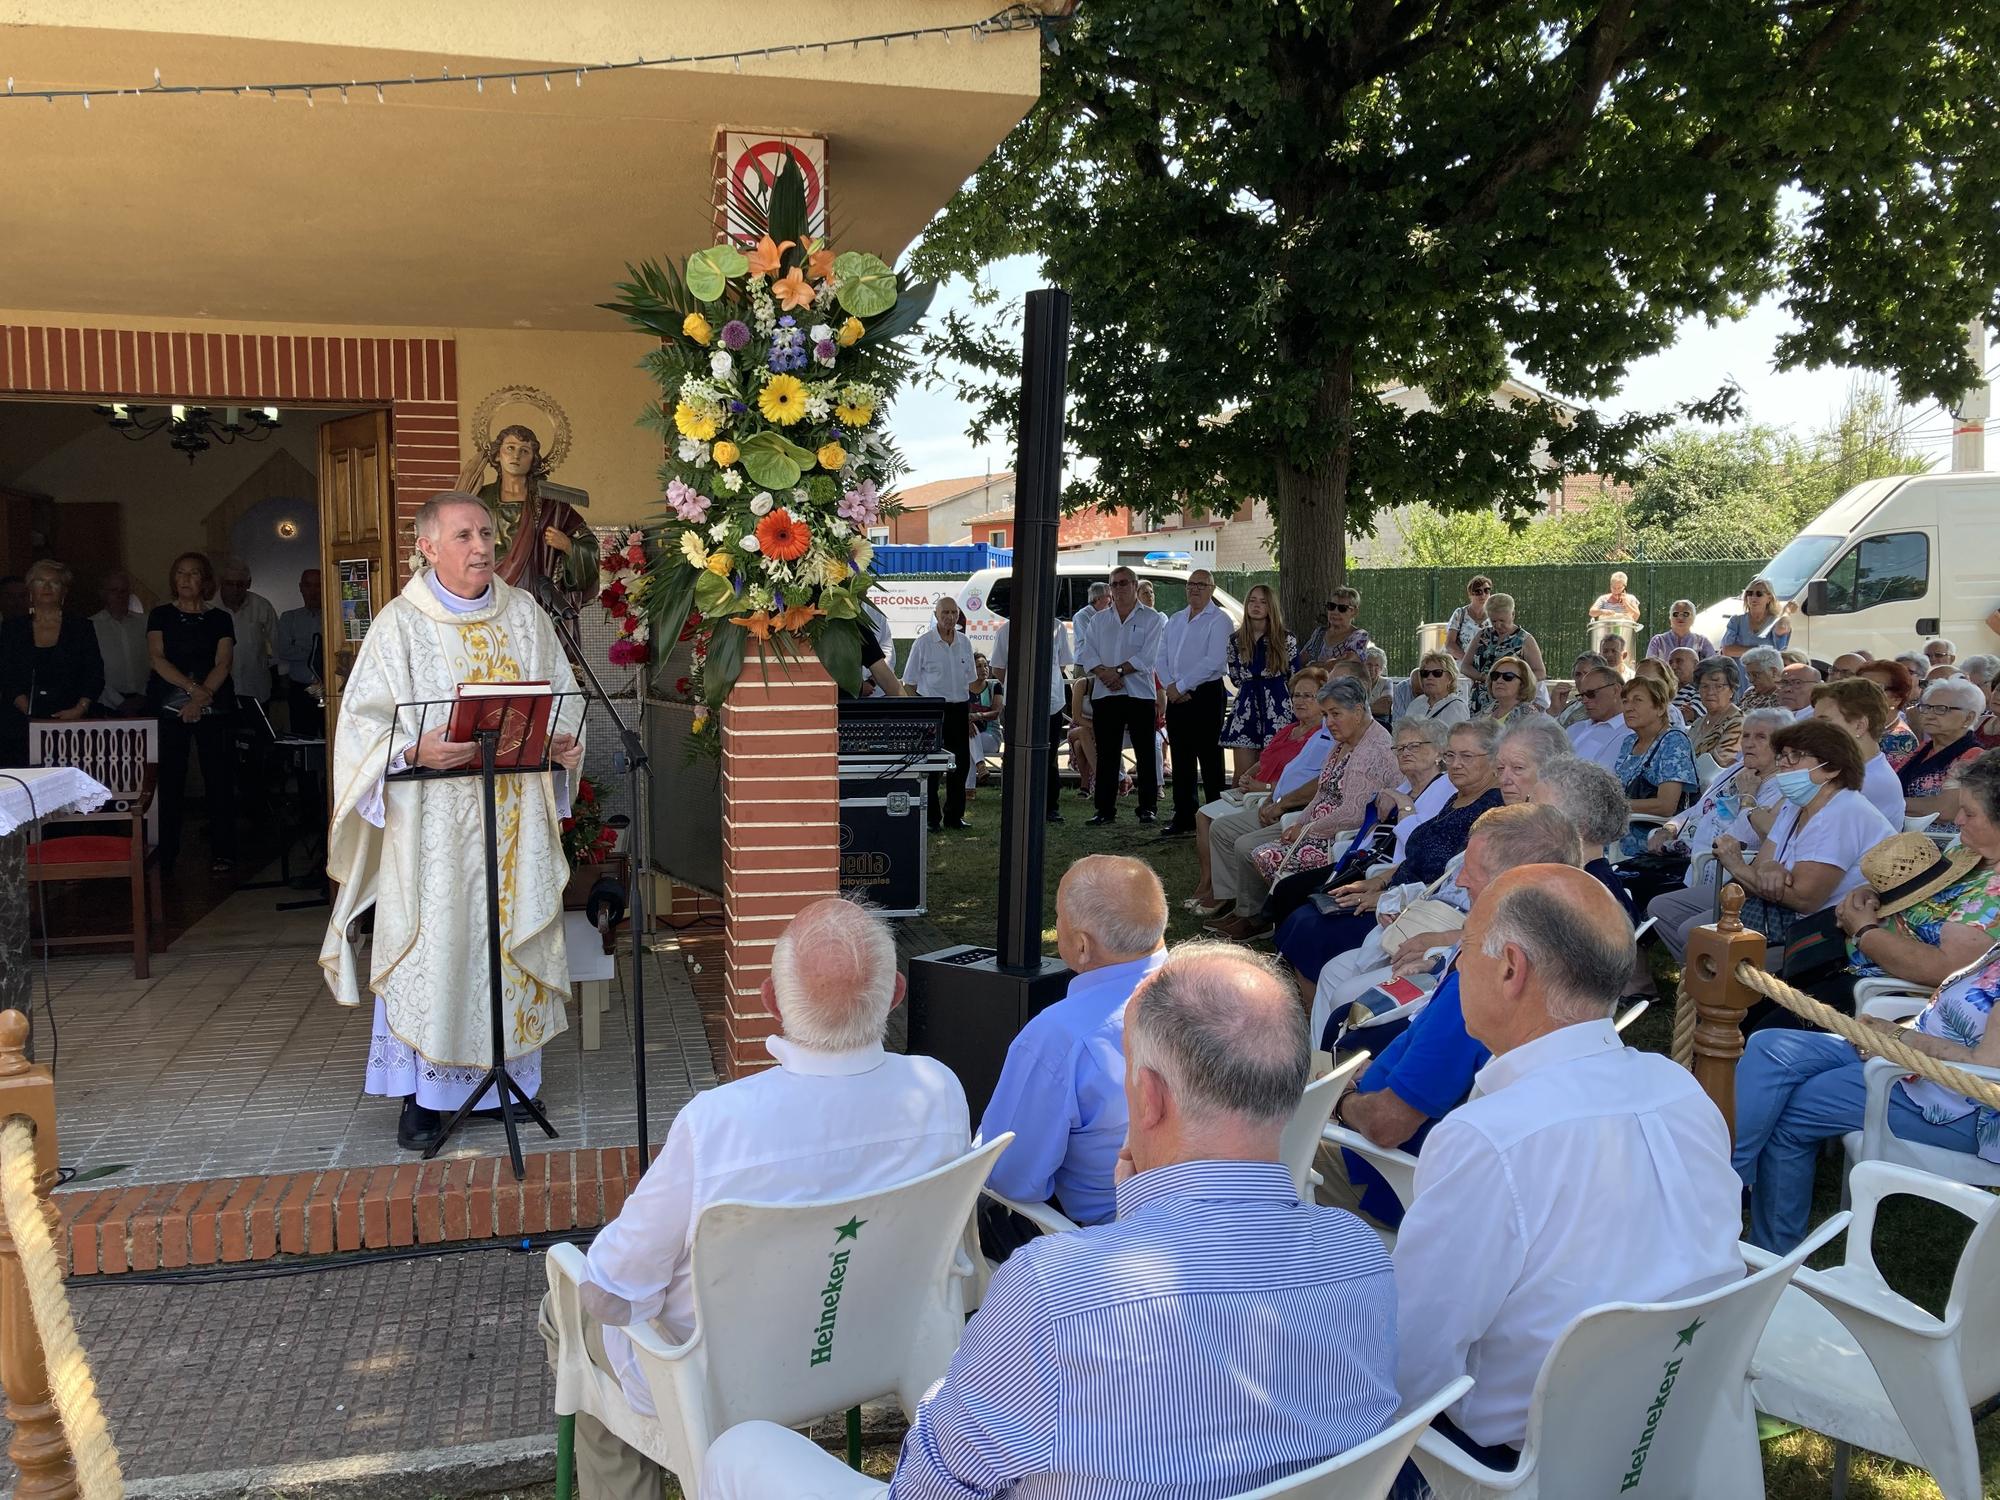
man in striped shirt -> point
(1217, 1336)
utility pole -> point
(1968, 436)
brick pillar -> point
(780, 826)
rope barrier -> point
(1685, 1019)
(70, 1384)
(1868, 1039)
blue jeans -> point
(1794, 1090)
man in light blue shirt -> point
(1062, 1091)
(1219, 1336)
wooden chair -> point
(123, 755)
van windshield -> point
(1792, 569)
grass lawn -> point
(1916, 1245)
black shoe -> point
(1175, 831)
(961, 823)
(937, 828)
(1055, 817)
(1146, 817)
(418, 1129)
(1100, 820)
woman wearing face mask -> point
(1812, 855)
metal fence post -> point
(40, 1449)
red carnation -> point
(636, 555)
(632, 624)
(586, 793)
(568, 824)
(683, 686)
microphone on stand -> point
(553, 599)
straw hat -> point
(1907, 867)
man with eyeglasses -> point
(1680, 636)
(1197, 655)
(1120, 648)
(1940, 652)
(1096, 599)
(1600, 734)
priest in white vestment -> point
(415, 850)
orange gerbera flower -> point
(768, 256)
(791, 290)
(782, 537)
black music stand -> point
(489, 769)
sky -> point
(930, 424)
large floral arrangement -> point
(776, 365)
(622, 586)
(586, 839)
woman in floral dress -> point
(1262, 657)
(1502, 636)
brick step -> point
(171, 1225)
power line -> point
(1013, 18)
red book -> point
(519, 710)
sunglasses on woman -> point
(1339, 609)
(1477, 590)
(1503, 676)
(1431, 672)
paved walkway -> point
(385, 1364)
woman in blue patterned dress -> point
(1656, 762)
(1796, 1090)
(1262, 658)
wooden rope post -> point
(40, 1449)
(1720, 999)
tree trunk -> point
(1310, 509)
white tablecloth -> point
(48, 789)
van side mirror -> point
(1816, 597)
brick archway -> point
(415, 378)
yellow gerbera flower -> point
(833, 571)
(862, 551)
(783, 400)
(693, 551)
(832, 456)
(693, 424)
(854, 416)
(726, 453)
(695, 326)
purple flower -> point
(738, 407)
(788, 321)
(823, 351)
(735, 334)
(859, 505)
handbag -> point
(1813, 945)
(1420, 917)
(1642, 785)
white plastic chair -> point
(763, 1344)
(1893, 1000)
(1918, 824)
(1367, 1471)
(1846, 1356)
(1597, 1424)
(1300, 1142)
(1707, 768)
(1297, 1146)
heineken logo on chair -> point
(1669, 1373)
(829, 1296)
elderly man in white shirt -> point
(837, 1116)
(121, 641)
(1059, 663)
(1600, 734)
(940, 665)
(1579, 1172)
(1121, 650)
(256, 621)
(1096, 599)
(1191, 670)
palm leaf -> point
(655, 300)
(725, 662)
(911, 305)
(785, 208)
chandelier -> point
(192, 429)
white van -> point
(985, 597)
(1888, 565)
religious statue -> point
(541, 529)
(413, 850)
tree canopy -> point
(1269, 215)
